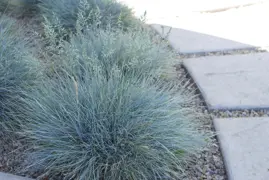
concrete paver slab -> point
(232, 82)
(187, 42)
(5, 176)
(244, 147)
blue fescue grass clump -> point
(18, 70)
(99, 128)
(19, 8)
(136, 54)
(103, 12)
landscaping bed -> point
(98, 96)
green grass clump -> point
(135, 54)
(95, 12)
(99, 128)
(19, 8)
(18, 70)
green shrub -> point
(101, 12)
(112, 129)
(133, 53)
(18, 71)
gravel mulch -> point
(208, 164)
(11, 152)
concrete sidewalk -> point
(193, 32)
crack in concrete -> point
(227, 73)
(230, 7)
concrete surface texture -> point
(5, 176)
(187, 42)
(245, 25)
(244, 145)
(179, 6)
(232, 82)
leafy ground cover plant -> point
(18, 70)
(112, 128)
(101, 12)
